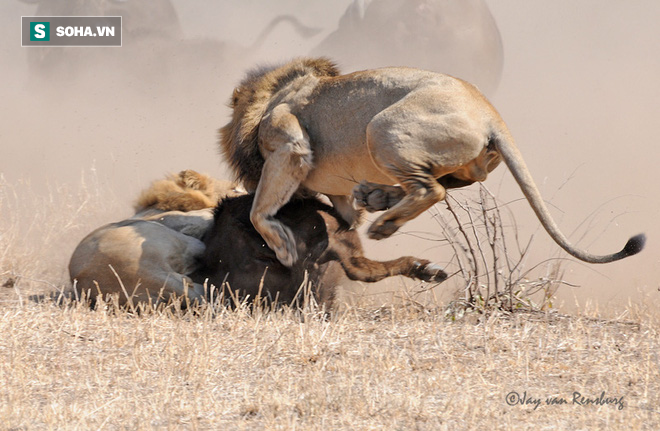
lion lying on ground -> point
(148, 256)
(393, 139)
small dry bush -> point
(491, 259)
(491, 265)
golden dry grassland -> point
(406, 366)
(379, 368)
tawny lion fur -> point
(185, 191)
(148, 257)
(393, 139)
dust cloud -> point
(579, 90)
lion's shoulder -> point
(250, 101)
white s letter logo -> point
(39, 31)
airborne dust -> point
(579, 90)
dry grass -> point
(40, 229)
(400, 367)
(392, 368)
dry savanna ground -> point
(403, 366)
(378, 368)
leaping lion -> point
(391, 139)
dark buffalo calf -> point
(238, 258)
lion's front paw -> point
(286, 257)
(284, 246)
(287, 254)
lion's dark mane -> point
(239, 138)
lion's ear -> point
(235, 96)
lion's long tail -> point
(516, 164)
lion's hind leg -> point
(417, 140)
(377, 197)
(421, 194)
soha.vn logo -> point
(71, 31)
(40, 31)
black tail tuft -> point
(634, 245)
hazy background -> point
(579, 91)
